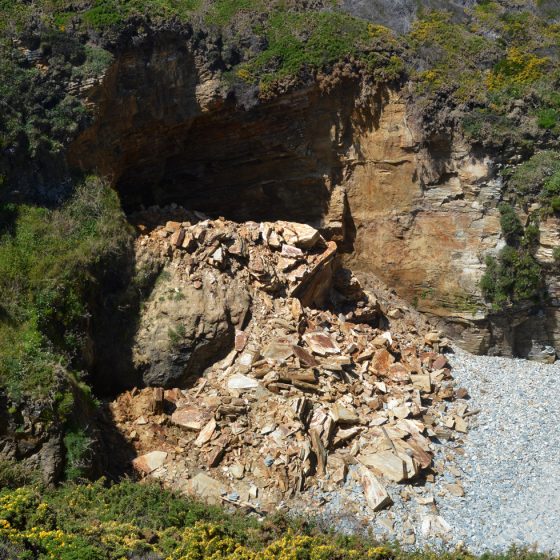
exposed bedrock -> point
(419, 212)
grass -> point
(130, 520)
(48, 260)
(316, 40)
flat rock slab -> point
(240, 382)
(206, 488)
(321, 343)
(150, 461)
(191, 417)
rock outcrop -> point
(418, 210)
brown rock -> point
(440, 362)
(150, 461)
(191, 417)
(305, 357)
(343, 414)
(321, 343)
(387, 464)
(375, 493)
(381, 361)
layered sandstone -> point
(418, 211)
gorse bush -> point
(514, 276)
(129, 520)
(511, 226)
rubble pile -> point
(317, 382)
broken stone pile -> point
(317, 380)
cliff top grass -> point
(129, 520)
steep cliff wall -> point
(418, 211)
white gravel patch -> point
(511, 464)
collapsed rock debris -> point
(320, 383)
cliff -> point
(419, 210)
(422, 143)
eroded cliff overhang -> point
(166, 132)
(418, 211)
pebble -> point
(512, 456)
(509, 470)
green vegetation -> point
(512, 278)
(538, 179)
(37, 113)
(176, 336)
(510, 224)
(48, 260)
(315, 40)
(106, 13)
(515, 276)
(130, 520)
(78, 447)
(221, 12)
(456, 57)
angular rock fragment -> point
(206, 433)
(150, 461)
(301, 235)
(374, 492)
(240, 382)
(206, 488)
(191, 417)
(387, 463)
(321, 343)
(343, 415)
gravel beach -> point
(508, 464)
(511, 466)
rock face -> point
(399, 14)
(418, 211)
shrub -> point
(14, 474)
(547, 118)
(78, 448)
(449, 56)
(529, 177)
(513, 278)
(518, 68)
(531, 235)
(511, 226)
